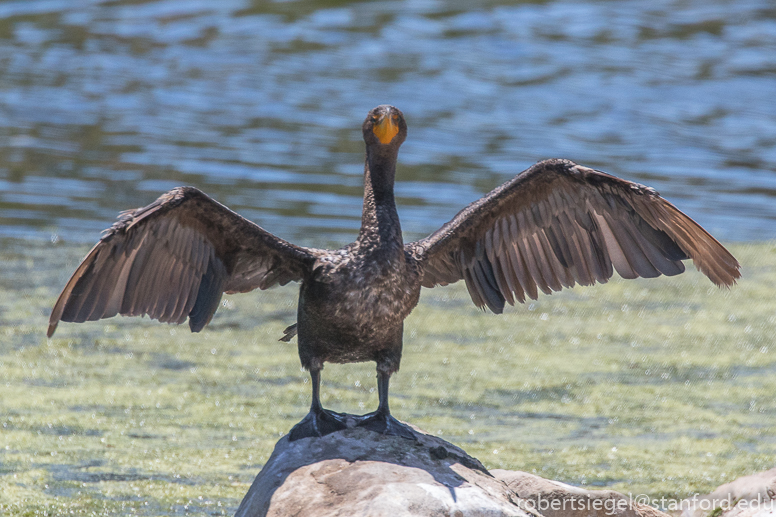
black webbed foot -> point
(318, 423)
(384, 423)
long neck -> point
(379, 220)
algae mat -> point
(663, 386)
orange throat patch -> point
(385, 130)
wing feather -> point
(616, 254)
(173, 259)
(558, 224)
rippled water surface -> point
(106, 104)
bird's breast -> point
(360, 296)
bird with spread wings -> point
(552, 226)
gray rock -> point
(748, 496)
(357, 472)
(360, 473)
(556, 499)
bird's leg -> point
(381, 420)
(318, 422)
(315, 377)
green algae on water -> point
(661, 386)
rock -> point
(359, 472)
(555, 499)
(748, 496)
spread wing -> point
(173, 259)
(557, 224)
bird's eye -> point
(374, 119)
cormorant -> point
(551, 226)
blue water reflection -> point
(105, 104)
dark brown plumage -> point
(552, 226)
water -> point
(104, 105)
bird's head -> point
(384, 127)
